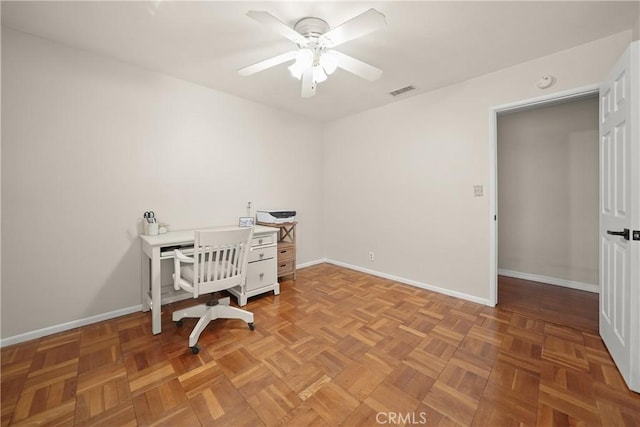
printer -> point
(275, 216)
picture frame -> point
(246, 221)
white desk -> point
(261, 272)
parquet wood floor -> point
(563, 306)
(337, 347)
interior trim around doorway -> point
(494, 112)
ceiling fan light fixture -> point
(328, 62)
(296, 71)
(318, 74)
(304, 59)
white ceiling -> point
(426, 44)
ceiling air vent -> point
(402, 90)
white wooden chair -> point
(219, 262)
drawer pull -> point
(261, 255)
(283, 252)
(259, 241)
(261, 275)
(282, 265)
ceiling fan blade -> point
(365, 23)
(267, 63)
(356, 66)
(308, 85)
(278, 26)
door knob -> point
(624, 233)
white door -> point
(620, 215)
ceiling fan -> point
(315, 57)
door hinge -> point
(636, 234)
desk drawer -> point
(261, 273)
(261, 240)
(286, 267)
(259, 254)
(286, 251)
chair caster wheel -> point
(252, 326)
(195, 349)
(179, 323)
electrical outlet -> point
(372, 256)
(478, 190)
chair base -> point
(206, 313)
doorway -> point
(548, 206)
(559, 273)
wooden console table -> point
(286, 247)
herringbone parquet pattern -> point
(336, 347)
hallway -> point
(555, 304)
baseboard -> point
(310, 263)
(67, 326)
(550, 280)
(415, 283)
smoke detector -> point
(545, 82)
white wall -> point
(0, 171)
(90, 143)
(548, 191)
(399, 179)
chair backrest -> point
(220, 259)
